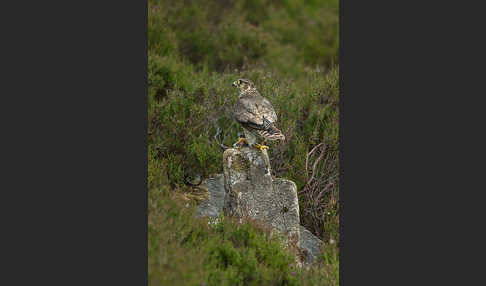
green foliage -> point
(189, 251)
(232, 34)
(289, 49)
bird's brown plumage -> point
(255, 113)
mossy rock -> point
(240, 163)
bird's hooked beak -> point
(234, 84)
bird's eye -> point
(239, 81)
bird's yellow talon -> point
(260, 146)
(240, 141)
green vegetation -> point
(286, 35)
(289, 49)
(188, 251)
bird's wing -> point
(255, 112)
(269, 112)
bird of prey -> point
(256, 115)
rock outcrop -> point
(247, 189)
(251, 192)
(214, 205)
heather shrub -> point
(196, 49)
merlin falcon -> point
(256, 115)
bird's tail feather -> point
(271, 133)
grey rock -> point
(311, 243)
(252, 192)
(263, 205)
(214, 205)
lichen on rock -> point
(247, 189)
(252, 192)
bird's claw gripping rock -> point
(240, 142)
(261, 146)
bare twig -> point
(307, 158)
(315, 162)
(218, 135)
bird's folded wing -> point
(255, 113)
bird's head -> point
(244, 85)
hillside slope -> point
(289, 49)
